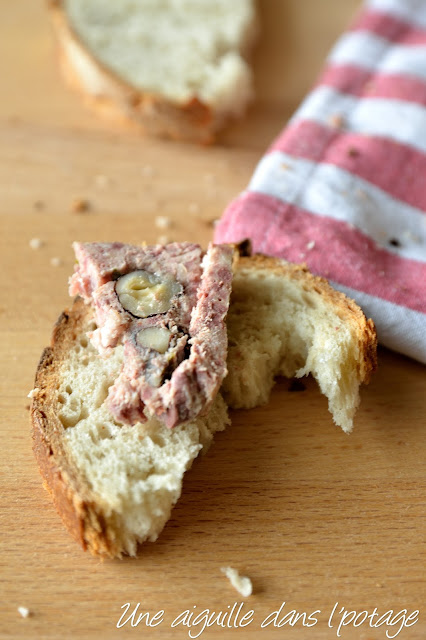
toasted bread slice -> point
(115, 485)
(176, 68)
(285, 321)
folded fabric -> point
(343, 188)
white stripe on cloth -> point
(326, 190)
(371, 116)
(368, 51)
(412, 11)
(397, 327)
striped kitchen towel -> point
(343, 188)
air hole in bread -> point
(66, 421)
(84, 342)
(309, 301)
(103, 432)
(72, 412)
(102, 394)
(158, 439)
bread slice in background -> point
(285, 321)
(178, 69)
(115, 485)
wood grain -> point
(313, 516)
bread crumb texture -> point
(241, 583)
(284, 321)
(194, 48)
(133, 473)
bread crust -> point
(349, 311)
(109, 95)
(72, 499)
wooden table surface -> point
(313, 516)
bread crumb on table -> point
(210, 179)
(39, 205)
(101, 181)
(148, 171)
(241, 583)
(24, 611)
(194, 207)
(163, 240)
(55, 261)
(80, 205)
(162, 222)
(36, 243)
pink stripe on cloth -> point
(362, 82)
(395, 168)
(389, 27)
(355, 261)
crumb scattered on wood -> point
(55, 261)
(213, 222)
(148, 171)
(241, 583)
(36, 243)
(162, 222)
(33, 393)
(194, 208)
(210, 179)
(101, 181)
(24, 611)
(163, 240)
(80, 205)
(27, 407)
(38, 205)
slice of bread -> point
(115, 485)
(285, 321)
(178, 69)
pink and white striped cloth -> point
(343, 188)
